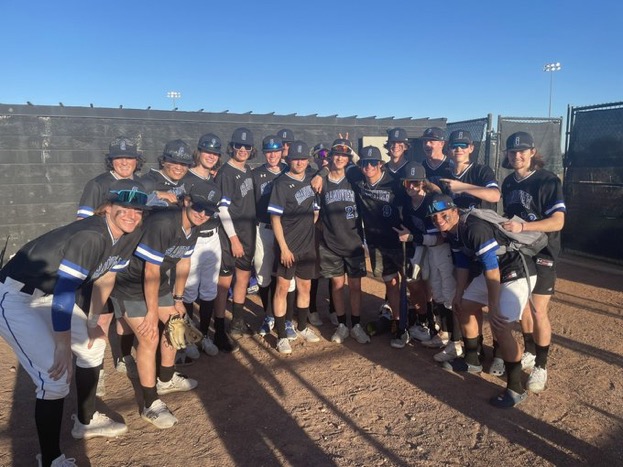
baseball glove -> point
(180, 332)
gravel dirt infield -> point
(364, 405)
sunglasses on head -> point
(366, 162)
(129, 196)
(459, 146)
(322, 154)
(341, 148)
(246, 147)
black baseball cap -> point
(129, 193)
(440, 203)
(434, 134)
(519, 141)
(242, 136)
(460, 136)
(370, 153)
(286, 135)
(178, 151)
(414, 171)
(122, 147)
(272, 143)
(210, 143)
(205, 197)
(298, 150)
(397, 135)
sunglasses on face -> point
(366, 162)
(413, 183)
(201, 208)
(129, 196)
(459, 146)
(246, 147)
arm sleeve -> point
(63, 302)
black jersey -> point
(379, 206)
(397, 173)
(295, 202)
(95, 193)
(480, 239)
(535, 197)
(81, 251)
(434, 174)
(263, 179)
(191, 179)
(155, 180)
(341, 225)
(415, 218)
(164, 243)
(474, 174)
(236, 186)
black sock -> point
(301, 316)
(48, 418)
(237, 309)
(206, 309)
(313, 292)
(331, 305)
(280, 326)
(446, 313)
(126, 342)
(190, 309)
(264, 293)
(496, 350)
(355, 320)
(457, 333)
(541, 355)
(513, 376)
(341, 319)
(150, 395)
(219, 326)
(290, 300)
(528, 343)
(471, 350)
(86, 386)
(166, 373)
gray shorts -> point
(137, 308)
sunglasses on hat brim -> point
(440, 206)
(129, 197)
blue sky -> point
(454, 59)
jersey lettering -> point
(303, 194)
(246, 187)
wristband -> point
(178, 298)
(92, 320)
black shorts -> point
(304, 266)
(228, 262)
(137, 308)
(545, 276)
(334, 265)
(385, 262)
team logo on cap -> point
(460, 134)
(369, 152)
(517, 140)
(122, 145)
(412, 171)
(396, 133)
(213, 141)
(300, 148)
(243, 136)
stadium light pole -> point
(551, 68)
(174, 95)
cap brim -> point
(123, 154)
(142, 207)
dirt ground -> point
(364, 405)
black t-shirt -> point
(236, 186)
(341, 225)
(81, 251)
(95, 193)
(379, 206)
(263, 184)
(191, 179)
(474, 174)
(163, 243)
(155, 180)
(533, 198)
(480, 239)
(295, 202)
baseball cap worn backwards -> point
(519, 141)
(298, 150)
(440, 203)
(122, 147)
(129, 193)
(178, 151)
(210, 143)
(434, 134)
(205, 197)
(460, 136)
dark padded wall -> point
(48, 153)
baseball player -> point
(341, 245)
(123, 161)
(264, 257)
(237, 236)
(535, 195)
(164, 184)
(287, 136)
(436, 163)
(397, 146)
(293, 211)
(502, 287)
(206, 258)
(142, 295)
(43, 323)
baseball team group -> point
(184, 239)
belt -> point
(209, 233)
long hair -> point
(139, 163)
(196, 156)
(230, 151)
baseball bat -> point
(404, 304)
